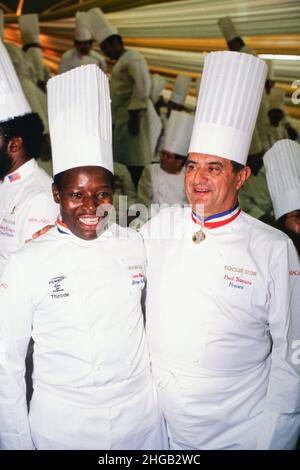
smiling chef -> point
(80, 300)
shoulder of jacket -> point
(259, 228)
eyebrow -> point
(220, 164)
(80, 187)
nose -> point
(200, 176)
(90, 203)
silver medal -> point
(198, 237)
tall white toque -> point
(30, 30)
(80, 119)
(230, 94)
(82, 32)
(12, 99)
(178, 134)
(99, 26)
(180, 89)
(282, 163)
(227, 28)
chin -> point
(89, 235)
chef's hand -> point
(134, 122)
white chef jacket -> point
(223, 331)
(81, 303)
(71, 59)
(159, 187)
(26, 206)
(130, 90)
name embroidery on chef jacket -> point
(239, 278)
(137, 278)
(58, 292)
(8, 227)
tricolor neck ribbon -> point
(217, 220)
(62, 228)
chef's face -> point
(6, 161)
(81, 192)
(112, 48)
(83, 47)
(292, 222)
(211, 182)
(169, 163)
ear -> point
(55, 192)
(243, 175)
(15, 144)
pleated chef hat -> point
(180, 89)
(82, 32)
(80, 119)
(178, 134)
(158, 83)
(30, 30)
(227, 28)
(282, 163)
(99, 26)
(1, 25)
(230, 94)
(12, 99)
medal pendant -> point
(199, 237)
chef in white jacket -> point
(80, 299)
(282, 164)
(223, 326)
(82, 52)
(136, 125)
(163, 183)
(26, 202)
(30, 31)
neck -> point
(18, 162)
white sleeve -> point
(15, 332)
(141, 91)
(41, 211)
(280, 424)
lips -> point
(201, 190)
(89, 221)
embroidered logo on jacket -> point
(239, 278)
(58, 291)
